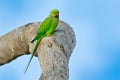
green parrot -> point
(46, 28)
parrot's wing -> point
(45, 25)
(37, 36)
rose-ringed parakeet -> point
(46, 28)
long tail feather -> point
(28, 63)
(32, 54)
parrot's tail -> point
(35, 48)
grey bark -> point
(53, 52)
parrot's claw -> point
(54, 35)
(51, 35)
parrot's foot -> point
(59, 31)
(48, 34)
(53, 35)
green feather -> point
(46, 28)
(32, 54)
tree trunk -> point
(53, 52)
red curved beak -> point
(57, 14)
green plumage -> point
(46, 28)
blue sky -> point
(97, 27)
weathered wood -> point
(53, 52)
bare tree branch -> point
(53, 52)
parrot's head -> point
(54, 13)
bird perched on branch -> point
(46, 28)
